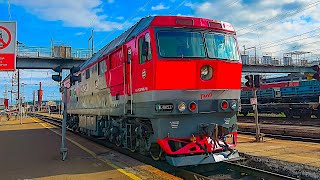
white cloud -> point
(186, 15)
(189, 4)
(159, 7)
(31, 74)
(84, 13)
(80, 33)
(110, 1)
(244, 15)
(120, 18)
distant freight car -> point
(289, 99)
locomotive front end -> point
(196, 90)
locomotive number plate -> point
(164, 107)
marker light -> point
(224, 104)
(192, 106)
(187, 22)
(206, 72)
(182, 107)
(233, 105)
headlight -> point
(233, 105)
(206, 72)
(182, 107)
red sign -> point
(7, 46)
(6, 103)
(3, 43)
(6, 62)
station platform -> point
(31, 151)
(305, 153)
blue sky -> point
(258, 22)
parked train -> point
(163, 87)
(293, 99)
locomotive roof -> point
(140, 26)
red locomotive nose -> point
(192, 106)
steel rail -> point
(283, 137)
(271, 120)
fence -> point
(275, 61)
(56, 51)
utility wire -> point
(267, 47)
(125, 22)
(296, 46)
(177, 7)
(9, 13)
(232, 4)
(287, 38)
(92, 21)
(280, 17)
(277, 16)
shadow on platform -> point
(34, 153)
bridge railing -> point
(57, 51)
(275, 61)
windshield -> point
(221, 46)
(180, 44)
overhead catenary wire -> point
(279, 17)
(92, 21)
(232, 4)
(9, 12)
(182, 3)
(291, 48)
(124, 23)
(275, 17)
(278, 44)
(287, 38)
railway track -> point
(284, 137)
(226, 170)
(286, 132)
(281, 121)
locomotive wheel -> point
(135, 145)
(110, 138)
(155, 151)
(118, 140)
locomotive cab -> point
(196, 90)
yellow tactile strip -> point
(132, 176)
(158, 174)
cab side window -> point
(102, 67)
(87, 73)
(145, 48)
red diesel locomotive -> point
(169, 86)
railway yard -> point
(279, 156)
(164, 96)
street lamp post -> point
(255, 52)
